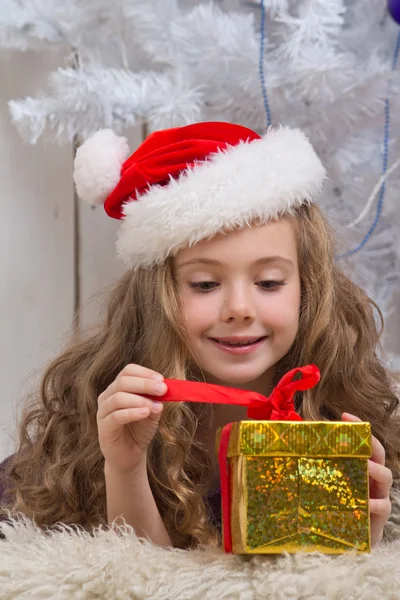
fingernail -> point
(161, 387)
(158, 377)
(157, 406)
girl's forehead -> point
(252, 243)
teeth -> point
(246, 343)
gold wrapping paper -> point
(299, 486)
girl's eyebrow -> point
(216, 263)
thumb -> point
(156, 412)
(146, 429)
(350, 418)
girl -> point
(231, 279)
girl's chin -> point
(231, 378)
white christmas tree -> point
(326, 66)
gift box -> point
(287, 484)
(296, 486)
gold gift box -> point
(299, 486)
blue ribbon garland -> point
(261, 65)
(382, 190)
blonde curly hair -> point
(57, 473)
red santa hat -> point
(186, 184)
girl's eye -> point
(271, 285)
(203, 286)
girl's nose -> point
(238, 306)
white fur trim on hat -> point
(97, 165)
(261, 179)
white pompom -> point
(97, 165)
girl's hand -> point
(127, 421)
(380, 483)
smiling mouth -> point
(238, 343)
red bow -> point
(277, 407)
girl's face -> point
(240, 299)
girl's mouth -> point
(238, 345)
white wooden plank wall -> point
(36, 233)
(37, 247)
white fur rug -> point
(115, 564)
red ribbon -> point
(279, 406)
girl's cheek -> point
(282, 314)
(288, 302)
(193, 305)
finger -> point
(125, 416)
(139, 371)
(378, 451)
(122, 400)
(380, 508)
(351, 418)
(132, 370)
(383, 479)
(134, 385)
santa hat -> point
(186, 184)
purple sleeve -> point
(3, 499)
(2, 481)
